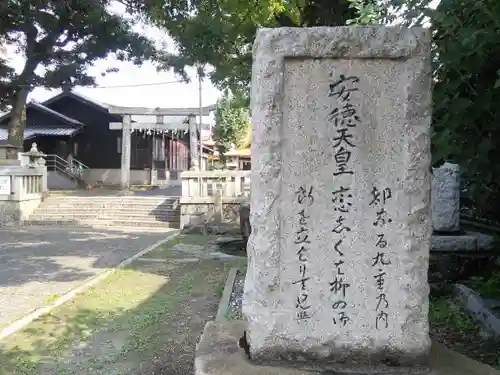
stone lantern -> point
(36, 157)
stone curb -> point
(475, 306)
(218, 353)
(17, 325)
(226, 295)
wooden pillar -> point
(193, 144)
(126, 149)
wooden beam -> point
(160, 111)
(151, 126)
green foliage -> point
(218, 33)
(216, 166)
(231, 121)
(6, 76)
(245, 139)
(489, 287)
(466, 71)
(371, 12)
(446, 312)
(64, 38)
(221, 33)
(466, 94)
(466, 57)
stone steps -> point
(108, 211)
(105, 223)
(102, 216)
(153, 211)
(118, 201)
(97, 204)
(109, 208)
(75, 198)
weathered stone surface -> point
(475, 305)
(445, 202)
(295, 144)
(10, 213)
(195, 213)
(466, 242)
(484, 241)
(462, 242)
(218, 353)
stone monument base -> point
(219, 353)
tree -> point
(221, 33)
(245, 139)
(466, 95)
(63, 38)
(465, 55)
(231, 122)
(6, 76)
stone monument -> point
(338, 253)
(336, 281)
(445, 195)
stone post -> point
(126, 145)
(193, 144)
(445, 200)
(218, 207)
(45, 188)
(341, 219)
(17, 187)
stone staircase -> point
(108, 211)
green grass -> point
(166, 251)
(497, 365)
(52, 298)
(489, 287)
(219, 291)
(124, 323)
(444, 311)
(230, 315)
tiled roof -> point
(78, 96)
(57, 114)
(33, 132)
(43, 108)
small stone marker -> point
(445, 195)
(338, 253)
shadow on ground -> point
(47, 254)
(39, 264)
(116, 329)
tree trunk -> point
(17, 114)
(17, 123)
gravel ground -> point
(234, 311)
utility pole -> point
(200, 92)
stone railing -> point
(213, 196)
(21, 191)
(208, 183)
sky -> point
(172, 95)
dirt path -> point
(145, 319)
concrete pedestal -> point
(218, 353)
